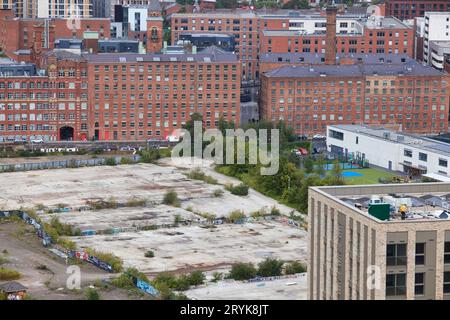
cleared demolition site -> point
(120, 210)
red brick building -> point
(383, 35)
(135, 97)
(242, 24)
(409, 9)
(118, 96)
(308, 98)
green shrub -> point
(218, 193)
(239, 190)
(3, 260)
(275, 211)
(270, 267)
(235, 216)
(166, 279)
(196, 278)
(149, 254)
(242, 271)
(125, 281)
(9, 274)
(171, 198)
(217, 276)
(92, 294)
(295, 267)
(110, 162)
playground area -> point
(365, 176)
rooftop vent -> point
(400, 138)
(386, 135)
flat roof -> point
(426, 202)
(375, 58)
(406, 139)
(133, 57)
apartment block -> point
(436, 40)
(308, 98)
(358, 251)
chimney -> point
(330, 39)
(90, 42)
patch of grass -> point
(369, 176)
(92, 294)
(171, 198)
(149, 254)
(136, 202)
(198, 174)
(9, 274)
(235, 216)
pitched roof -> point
(12, 287)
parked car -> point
(319, 136)
(37, 140)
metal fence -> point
(69, 163)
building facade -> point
(436, 40)
(308, 98)
(414, 155)
(409, 9)
(355, 256)
(242, 24)
(116, 96)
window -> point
(396, 284)
(419, 283)
(447, 252)
(443, 163)
(447, 282)
(396, 255)
(423, 156)
(420, 253)
(336, 135)
(407, 153)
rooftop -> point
(409, 68)
(421, 142)
(425, 202)
(308, 58)
(10, 287)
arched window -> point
(154, 33)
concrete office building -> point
(411, 257)
(436, 38)
(414, 155)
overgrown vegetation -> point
(218, 193)
(242, 271)
(270, 267)
(171, 199)
(92, 294)
(239, 190)
(235, 216)
(149, 254)
(181, 283)
(9, 274)
(115, 262)
(294, 267)
(198, 174)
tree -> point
(336, 174)
(270, 267)
(294, 267)
(242, 271)
(296, 4)
(308, 164)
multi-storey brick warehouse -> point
(308, 98)
(354, 35)
(53, 106)
(242, 24)
(118, 96)
(409, 9)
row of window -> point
(424, 157)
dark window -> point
(419, 283)
(447, 252)
(447, 282)
(443, 163)
(336, 134)
(396, 255)
(423, 156)
(407, 153)
(396, 284)
(420, 253)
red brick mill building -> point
(115, 96)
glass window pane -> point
(420, 248)
(401, 250)
(419, 278)
(390, 250)
(401, 280)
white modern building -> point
(436, 38)
(414, 155)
